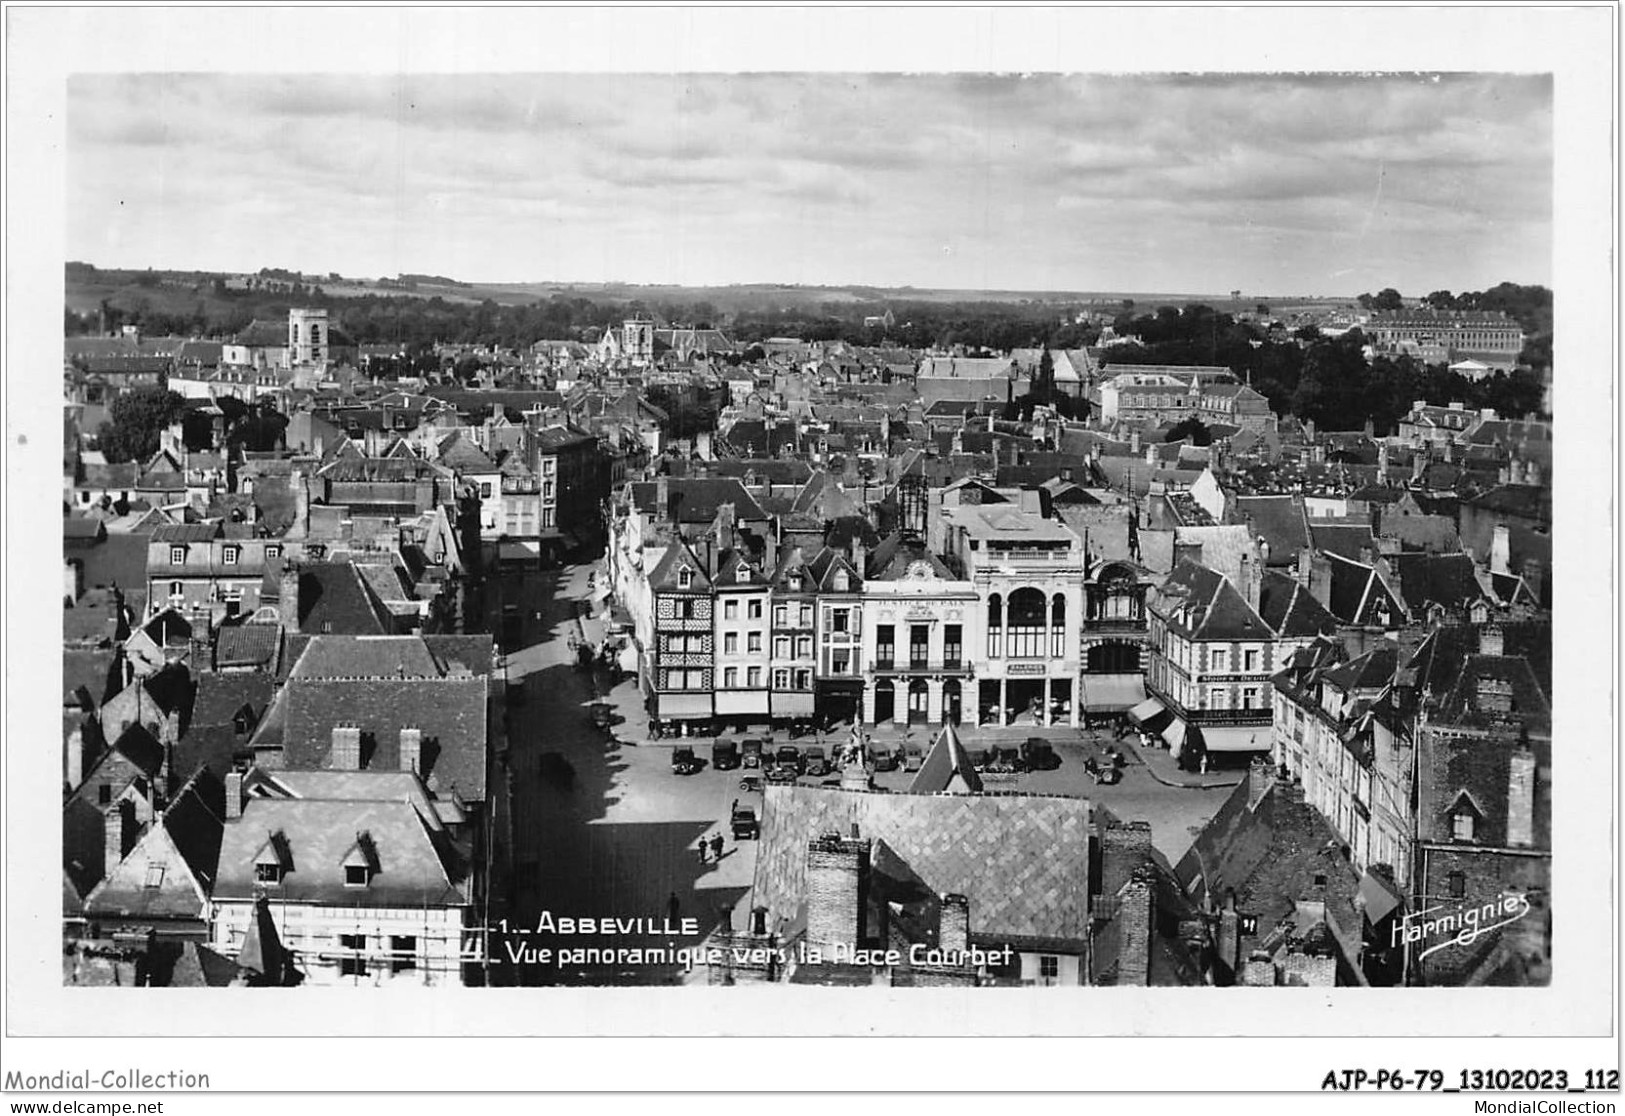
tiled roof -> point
(186, 837)
(333, 599)
(87, 670)
(460, 453)
(696, 500)
(313, 838)
(1022, 861)
(246, 645)
(1450, 580)
(1270, 856)
(1343, 539)
(1280, 521)
(366, 657)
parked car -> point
(725, 755)
(981, 758)
(884, 757)
(913, 757)
(746, 826)
(814, 763)
(750, 752)
(1006, 761)
(782, 773)
(751, 784)
(1039, 754)
(683, 761)
(789, 755)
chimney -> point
(1501, 549)
(1419, 463)
(120, 834)
(860, 557)
(1246, 577)
(301, 503)
(1134, 442)
(1370, 430)
(837, 890)
(234, 795)
(287, 603)
(346, 748)
(727, 537)
(953, 925)
(1320, 579)
(1184, 550)
(1487, 414)
(1491, 640)
(412, 749)
(662, 509)
(1305, 559)
(75, 772)
(1309, 429)
(1382, 462)
(1135, 908)
(1151, 455)
(1366, 557)
(1260, 778)
(1521, 798)
(1449, 451)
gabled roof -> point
(1289, 609)
(460, 453)
(824, 565)
(896, 555)
(334, 599)
(1346, 540)
(947, 767)
(737, 569)
(172, 868)
(666, 575)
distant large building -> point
(1490, 338)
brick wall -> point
(837, 889)
(1134, 920)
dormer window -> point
(268, 872)
(355, 875)
(231, 555)
(795, 581)
(743, 572)
(273, 551)
(685, 578)
(155, 877)
(361, 862)
(177, 555)
(1462, 826)
(841, 582)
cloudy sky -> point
(1274, 185)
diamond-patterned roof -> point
(1022, 860)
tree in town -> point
(138, 418)
(1194, 429)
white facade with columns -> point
(920, 673)
(1023, 640)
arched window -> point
(1057, 627)
(995, 624)
(315, 335)
(1025, 639)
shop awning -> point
(518, 551)
(1236, 738)
(1147, 710)
(1174, 734)
(1113, 693)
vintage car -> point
(789, 755)
(725, 755)
(750, 752)
(746, 826)
(683, 761)
(814, 763)
(1039, 754)
(751, 784)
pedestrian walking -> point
(716, 848)
(702, 848)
